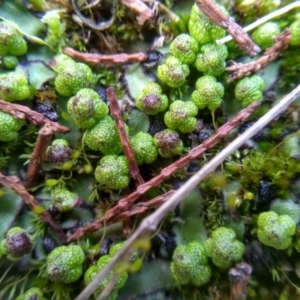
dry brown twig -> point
(116, 114)
(240, 70)
(38, 156)
(150, 223)
(23, 112)
(120, 58)
(125, 203)
(217, 16)
(13, 182)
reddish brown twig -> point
(240, 70)
(116, 114)
(143, 11)
(239, 277)
(120, 58)
(38, 156)
(125, 203)
(241, 37)
(13, 182)
(24, 112)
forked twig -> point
(125, 203)
(38, 156)
(150, 223)
(13, 182)
(240, 36)
(116, 114)
(93, 58)
(23, 112)
(240, 70)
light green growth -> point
(256, 8)
(185, 48)
(173, 72)
(71, 77)
(286, 207)
(86, 108)
(9, 62)
(224, 248)
(211, 59)
(265, 35)
(295, 33)
(202, 28)
(9, 127)
(16, 244)
(168, 143)
(63, 199)
(181, 116)
(104, 137)
(11, 41)
(32, 294)
(189, 265)
(92, 271)
(151, 100)
(249, 89)
(59, 152)
(64, 264)
(275, 231)
(143, 148)
(113, 172)
(14, 87)
(208, 93)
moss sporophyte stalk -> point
(106, 110)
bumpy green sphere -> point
(275, 231)
(249, 89)
(72, 77)
(190, 265)
(224, 248)
(202, 28)
(208, 93)
(17, 243)
(113, 172)
(144, 148)
(59, 152)
(185, 48)
(265, 35)
(104, 137)
(64, 264)
(181, 116)
(86, 108)
(63, 199)
(173, 72)
(152, 101)
(211, 59)
(11, 41)
(168, 143)
(295, 33)
(10, 62)
(32, 294)
(9, 127)
(14, 87)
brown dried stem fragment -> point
(125, 203)
(120, 58)
(241, 37)
(38, 156)
(240, 70)
(23, 112)
(13, 182)
(116, 114)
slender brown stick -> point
(125, 203)
(23, 112)
(120, 58)
(217, 16)
(38, 156)
(116, 114)
(240, 70)
(13, 182)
